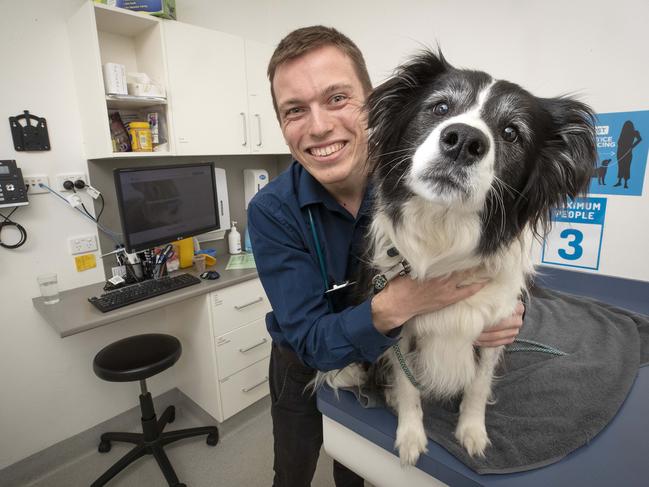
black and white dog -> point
(466, 170)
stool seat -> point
(137, 358)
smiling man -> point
(307, 228)
(320, 101)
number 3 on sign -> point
(573, 244)
(574, 240)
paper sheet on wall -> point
(241, 261)
(622, 146)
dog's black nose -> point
(463, 144)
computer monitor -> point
(161, 204)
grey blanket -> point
(547, 405)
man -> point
(309, 223)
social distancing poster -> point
(622, 146)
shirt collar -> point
(310, 192)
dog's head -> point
(463, 140)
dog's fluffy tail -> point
(354, 375)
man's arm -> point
(292, 281)
(405, 298)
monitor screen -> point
(161, 204)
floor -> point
(243, 457)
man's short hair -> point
(306, 39)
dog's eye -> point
(510, 134)
(441, 109)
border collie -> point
(466, 170)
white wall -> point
(594, 48)
(48, 389)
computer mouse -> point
(211, 275)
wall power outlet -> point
(32, 184)
(82, 244)
(72, 176)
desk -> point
(363, 439)
(220, 323)
(74, 314)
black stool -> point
(138, 358)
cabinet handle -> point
(258, 128)
(243, 350)
(258, 300)
(248, 389)
(245, 129)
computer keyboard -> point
(141, 291)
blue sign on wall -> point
(575, 239)
(622, 146)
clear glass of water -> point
(49, 288)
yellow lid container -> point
(186, 248)
(141, 140)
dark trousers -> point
(297, 424)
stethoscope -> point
(323, 265)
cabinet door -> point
(265, 134)
(207, 94)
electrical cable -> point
(8, 222)
(103, 205)
(84, 207)
(110, 233)
(80, 184)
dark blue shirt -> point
(289, 269)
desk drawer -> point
(237, 305)
(244, 388)
(242, 347)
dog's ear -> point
(566, 161)
(393, 103)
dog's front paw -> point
(472, 435)
(411, 442)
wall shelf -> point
(130, 101)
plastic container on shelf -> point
(141, 140)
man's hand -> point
(404, 298)
(504, 332)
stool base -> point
(151, 442)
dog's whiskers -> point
(392, 152)
(510, 189)
(396, 165)
(498, 196)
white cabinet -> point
(207, 93)
(97, 35)
(265, 134)
(219, 93)
(241, 345)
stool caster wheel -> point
(212, 438)
(104, 446)
(172, 417)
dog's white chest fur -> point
(443, 357)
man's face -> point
(320, 103)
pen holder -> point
(160, 270)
